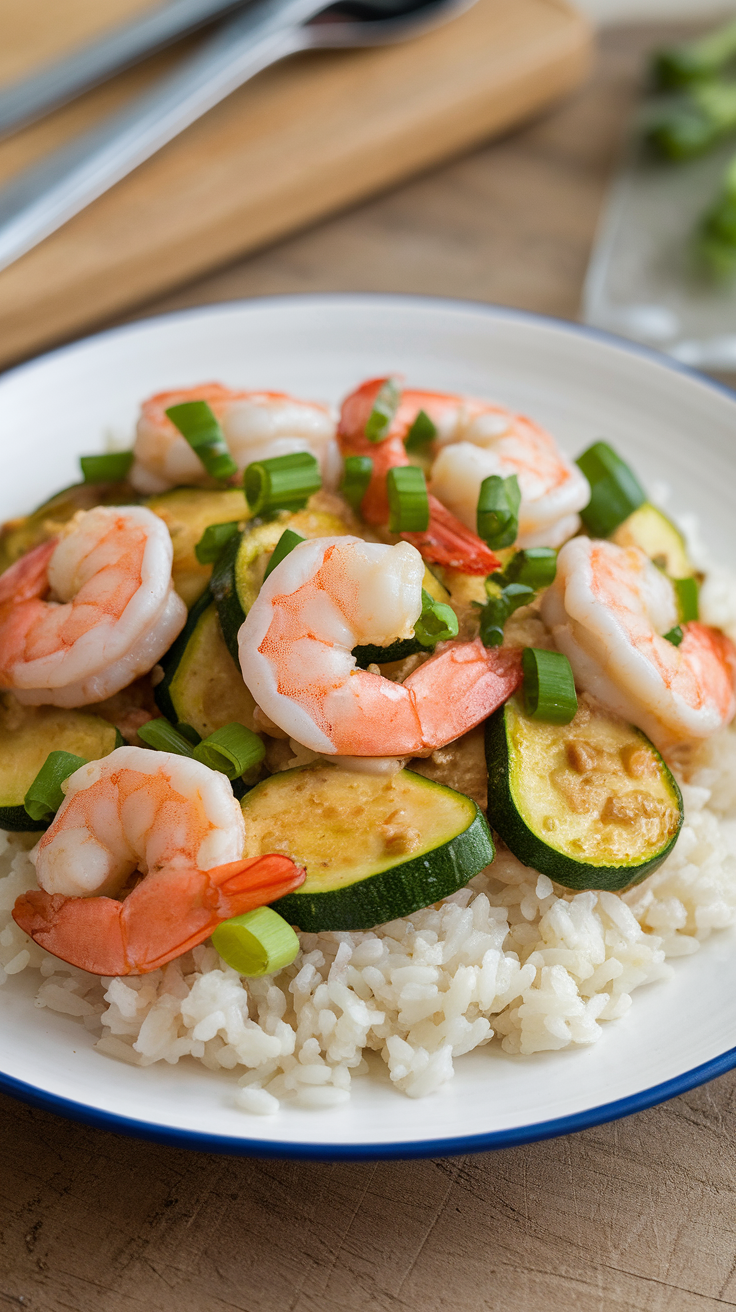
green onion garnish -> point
(356, 477)
(686, 591)
(200, 426)
(286, 543)
(549, 686)
(534, 566)
(385, 406)
(498, 510)
(232, 750)
(45, 796)
(422, 432)
(215, 537)
(408, 502)
(189, 732)
(163, 737)
(615, 492)
(110, 468)
(283, 483)
(259, 943)
(437, 622)
(675, 636)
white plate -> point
(673, 425)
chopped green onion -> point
(260, 942)
(189, 732)
(408, 502)
(356, 477)
(437, 622)
(615, 492)
(200, 426)
(213, 540)
(45, 795)
(549, 686)
(498, 510)
(695, 61)
(110, 468)
(163, 737)
(518, 594)
(675, 636)
(232, 750)
(422, 432)
(687, 591)
(282, 483)
(286, 543)
(534, 566)
(381, 416)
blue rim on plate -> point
(494, 1139)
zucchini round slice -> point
(658, 538)
(201, 685)
(187, 512)
(374, 848)
(591, 803)
(27, 735)
(238, 574)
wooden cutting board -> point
(312, 134)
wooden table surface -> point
(638, 1215)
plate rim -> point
(438, 1147)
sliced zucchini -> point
(591, 803)
(201, 684)
(187, 512)
(18, 536)
(27, 735)
(238, 575)
(374, 848)
(369, 654)
(658, 538)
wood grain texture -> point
(302, 139)
(636, 1216)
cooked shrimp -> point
(178, 824)
(83, 615)
(476, 439)
(330, 595)
(608, 609)
(257, 426)
(445, 541)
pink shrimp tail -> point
(27, 579)
(480, 679)
(167, 914)
(446, 541)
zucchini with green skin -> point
(27, 735)
(591, 803)
(201, 684)
(374, 847)
(187, 512)
(656, 535)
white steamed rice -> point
(509, 960)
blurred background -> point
(504, 156)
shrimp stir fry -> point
(473, 440)
(257, 426)
(608, 609)
(83, 615)
(330, 595)
(176, 823)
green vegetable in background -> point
(715, 235)
(695, 122)
(695, 61)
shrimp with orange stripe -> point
(468, 441)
